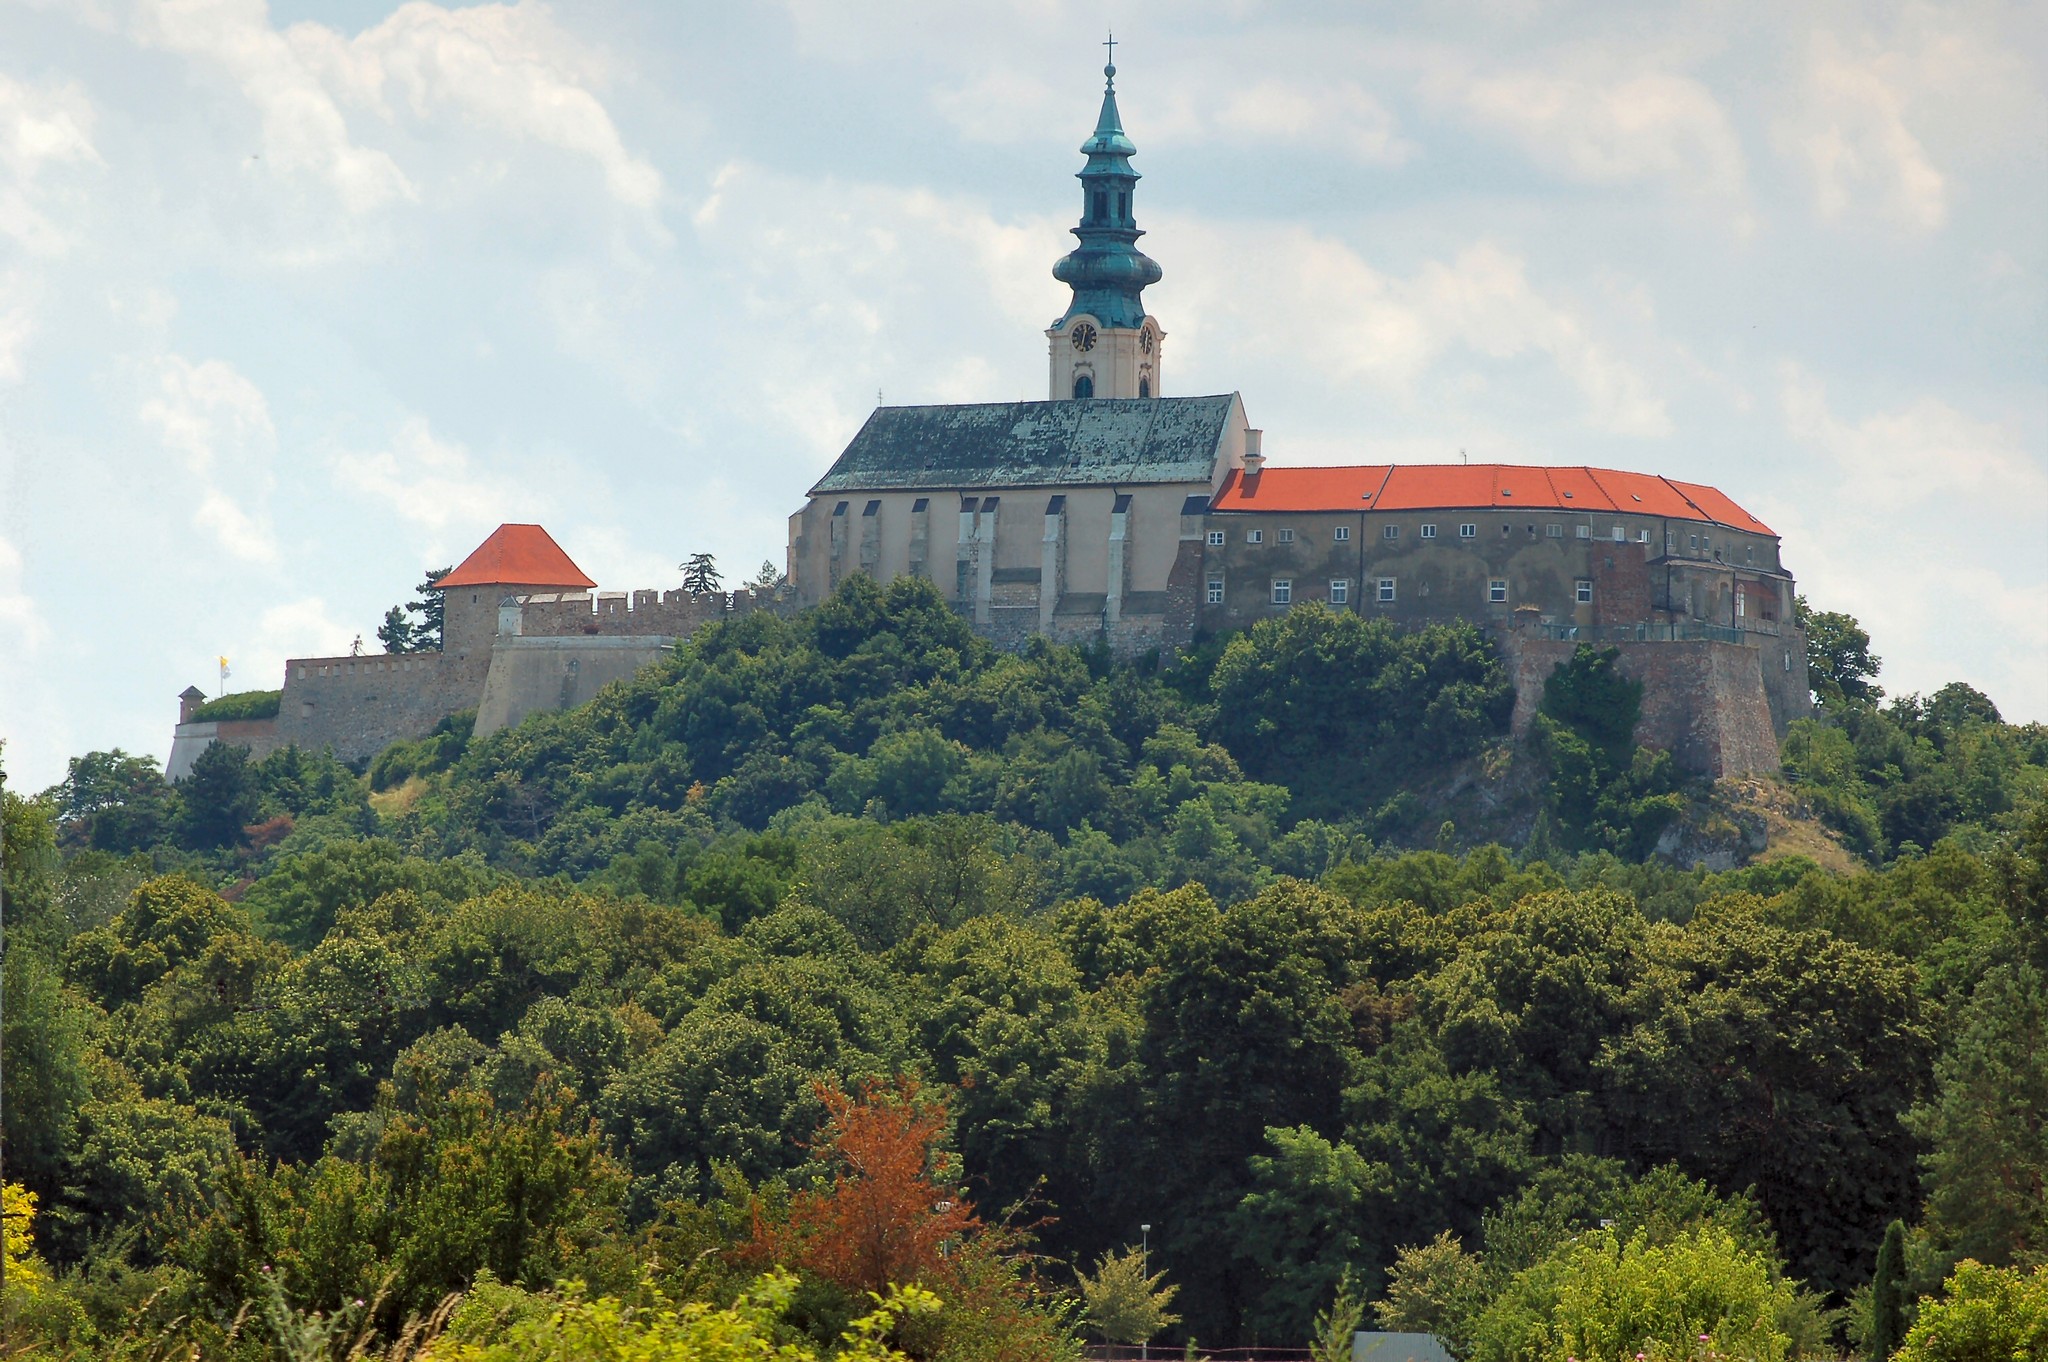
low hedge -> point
(246, 704)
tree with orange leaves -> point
(885, 1218)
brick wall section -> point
(1621, 583)
(1703, 701)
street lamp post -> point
(1145, 1272)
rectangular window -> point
(1553, 531)
(1342, 534)
(1390, 531)
(1386, 588)
(1215, 591)
(1585, 591)
(1620, 533)
(1254, 536)
(1215, 539)
(1340, 591)
(1642, 536)
(1468, 532)
(1285, 536)
(1585, 531)
(1283, 591)
(1497, 590)
(1429, 531)
(1692, 542)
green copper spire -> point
(1107, 271)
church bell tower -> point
(1106, 344)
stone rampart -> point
(529, 675)
(1704, 701)
(188, 740)
(360, 705)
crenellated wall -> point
(510, 653)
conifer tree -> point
(1888, 1295)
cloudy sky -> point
(299, 299)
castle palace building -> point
(1114, 512)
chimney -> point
(1254, 451)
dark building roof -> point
(1493, 486)
(1033, 444)
(517, 555)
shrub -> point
(245, 704)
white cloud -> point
(17, 324)
(1924, 451)
(1606, 129)
(1853, 135)
(20, 621)
(507, 70)
(1317, 298)
(1342, 115)
(39, 128)
(303, 129)
(218, 423)
(300, 628)
(432, 483)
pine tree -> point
(396, 632)
(1888, 1295)
(426, 635)
(700, 575)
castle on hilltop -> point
(522, 630)
(1114, 512)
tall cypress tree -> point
(1888, 1295)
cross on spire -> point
(1110, 70)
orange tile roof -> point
(518, 555)
(1448, 487)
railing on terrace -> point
(1749, 632)
(1166, 1352)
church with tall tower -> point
(1113, 512)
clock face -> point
(1084, 337)
(1145, 340)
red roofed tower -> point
(517, 560)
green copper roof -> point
(1033, 444)
(1107, 271)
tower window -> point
(1123, 205)
(1145, 387)
(1084, 386)
(1101, 204)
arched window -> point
(1145, 386)
(1084, 385)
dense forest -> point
(845, 986)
